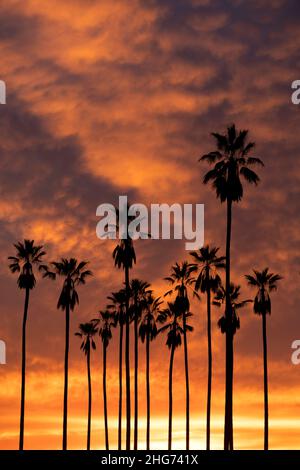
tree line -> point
(206, 274)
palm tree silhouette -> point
(235, 304)
(230, 161)
(171, 316)
(106, 322)
(87, 331)
(124, 256)
(181, 278)
(74, 273)
(27, 257)
(265, 283)
(138, 290)
(117, 306)
(208, 280)
(148, 332)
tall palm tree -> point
(208, 280)
(181, 278)
(235, 305)
(138, 290)
(171, 316)
(74, 274)
(106, 322)
(148, 332)
(265, 283)
(86, 332)
(27, 257)
(117, 306)
(124, 256)
(230, 161)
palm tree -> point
(106, 321)
(27, 257)
(230, 161)
(208, 280)
(235, 304)
(124, 256)
(117, 306)
(138, 290)
(265, 283)
(171, 316)
(181, 278)
(148, 332)
(87, 331)
(74, 273)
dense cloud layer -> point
(108, 98)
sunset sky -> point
(119, 97)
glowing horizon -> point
(105, 99)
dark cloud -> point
(102, 104)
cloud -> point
(108, 99)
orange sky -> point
(108, 98)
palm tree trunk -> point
(171, 397)
(127, 361)
(148, 386)
(265, 351)
(229, 389)
(136, 358)
(65, 414)
(209, 374)
(88, 359)
(228, 428)
(120, 386)
(105, 397)
(22, 412)
(187, 385)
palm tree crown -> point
(231, 161)
(106, 321)
(74, 274)
(117, 305)
(207, 265)
(148, 324)
(124, 254)
(265, 282)
(139, 290)
(87, 331)
(181, 278)
(170, 318)
(220, 298)
(27, 256)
